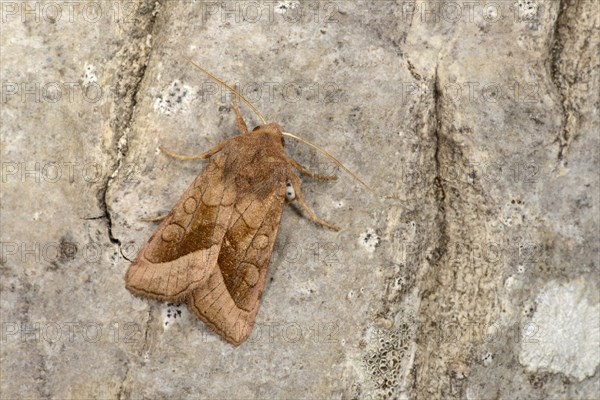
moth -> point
(213, 249)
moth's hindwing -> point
(229, 300)
(185, 247)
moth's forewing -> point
(229, 301)
(185, 246)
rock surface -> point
(470, 272)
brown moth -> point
(213, 249)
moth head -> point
(273, 130)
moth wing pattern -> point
(229, 300)
(185, 247)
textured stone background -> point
(471, 272)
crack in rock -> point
(135, 55)
(556, 51)
(573, 66)
(438, 180)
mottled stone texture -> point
(471, 272)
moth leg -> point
(311, 214)
(154, 219)
(306, 171)
(207, 154)
(238, 117)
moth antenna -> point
(264, 121)
(330, 156)
(235, 92)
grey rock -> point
(470, 272)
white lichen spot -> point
(156, 10)
(384, 323)
(513, 283)
(520, 268)
(370, 240)
(386, 360)
(472, 393)
(173, 99)
(283, 6)
(528, 309)
(571, 232)
(526, 9)
(290, 193)
(399, 283)
(564, 333)
(306, 290)
(512, 213)
(412, 228)
(487, 359)
(89, 75)
(89, 83)
(122, 144)
(172, 314)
